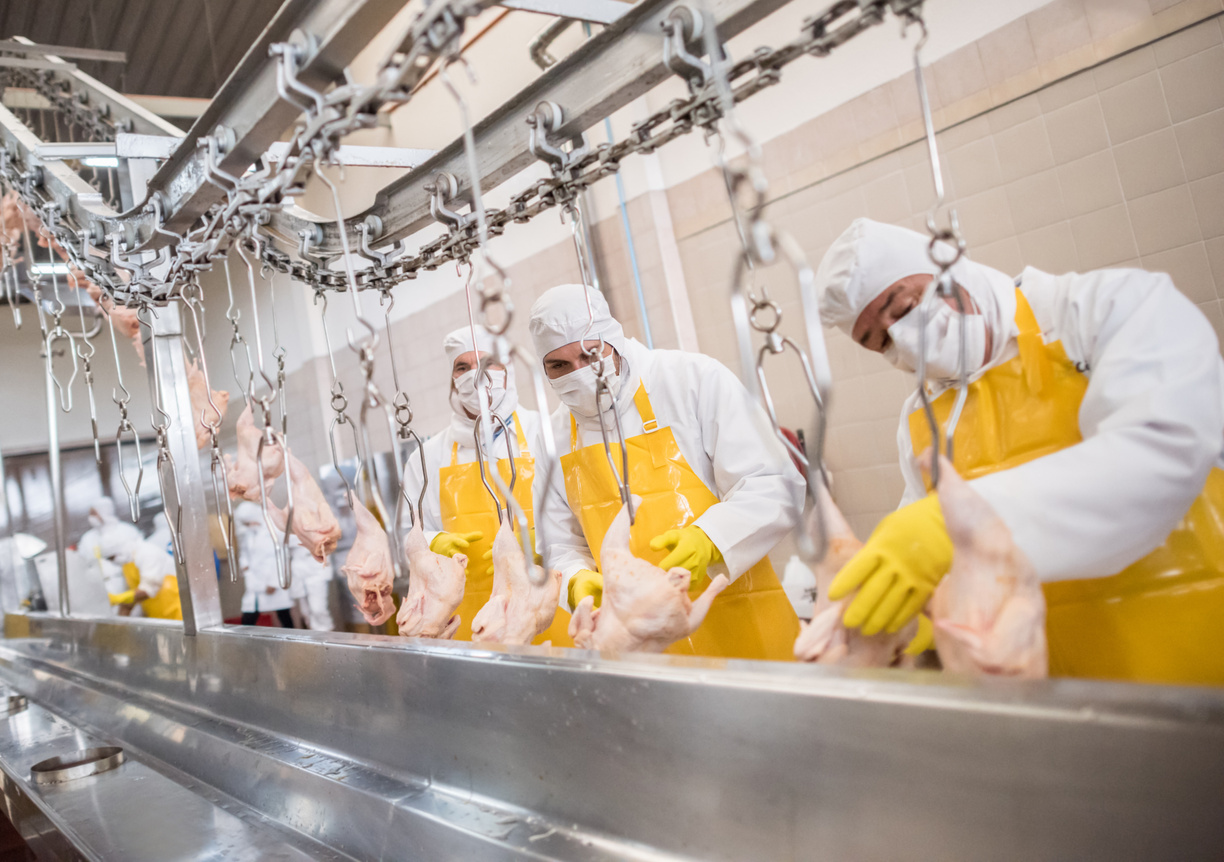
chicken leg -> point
(989, 611)
(314, 523)
(435, 590)
(518, 609)
(645, 609)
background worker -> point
(718, 492)
(458, 512)
(1094, 426)
(262, 592)
(148, 571)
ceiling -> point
(173, 47)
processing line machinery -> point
(142, 739)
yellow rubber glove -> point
(897, 570)
(585, 583)
(125, 598)
(924, 639)
(690, 549)
(449, 544)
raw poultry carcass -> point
(518, 610)
(314, 523)
(435, 590)
(645, 609)
(826, 640)
(989, 611)
(201, 407)
(242, 472)
(368, 567)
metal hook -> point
(284, 562)
(513, 510)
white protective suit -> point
(312, 584)
(89, 546)
(438, 448)
(1152, 417)
(258, 558)
(717, 425)
(122, 544)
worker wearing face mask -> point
(718, 492)
(1093, 426)
(148, 570)
(459, 514)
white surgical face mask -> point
(465, 391)
(577, 389)
(943, 338)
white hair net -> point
(560, 317)
(459, 342)
(870, 256)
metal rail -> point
(606, 73)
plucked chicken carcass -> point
(314, 523)
(435, 590)
(242, 471)
(989, 611)
(645, 609)
(826, 640)
(201, 407)
(368, 567)
(125, 320)
(517, 610)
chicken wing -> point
(989, 611)
(826, 640)
(435, 590)
(367, 568)
(645, 609)
(518, 609)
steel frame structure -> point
(341, 746)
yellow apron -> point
(163, 606)
(752, 618)
(1159, 620)
(467, 507)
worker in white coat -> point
(459, 514)
(1094, 426)
(148, 570)
(101, 515)
(262, 592)
(718, 492)
(311, 587)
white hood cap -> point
(865, 260)
(871, 256)
(118, 541)
(560, 317)
(459, 342)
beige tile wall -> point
(1089, 133)
(1121, 164)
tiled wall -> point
(1089, 133)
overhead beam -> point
(171, 106)
(595, 11)
(24, 46)
(23, 63)
(606, 73)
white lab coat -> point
(722, 433)
(1152, 419)
(155, 564)
(438, 455)
(312, 584)
(258, 559)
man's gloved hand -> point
(585, 583)
(897, 570)
(690, 549)
(449, 544)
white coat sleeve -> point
(559, 537)
(1152, 422)
(759, 488)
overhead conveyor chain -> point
(200, 198)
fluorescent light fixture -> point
(49, 268)
(102, 161)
